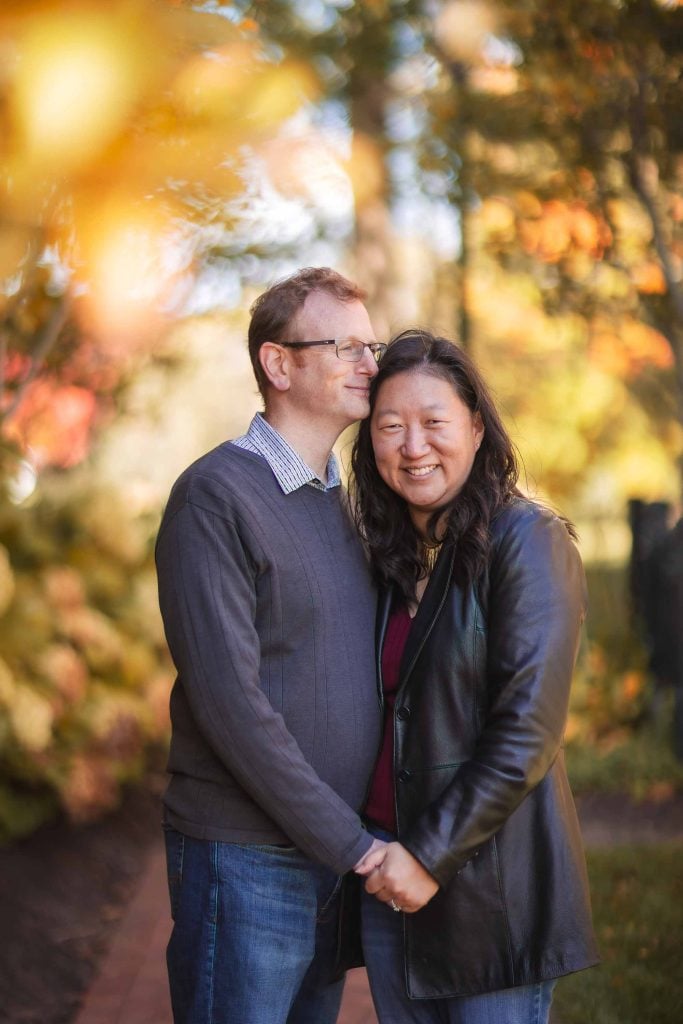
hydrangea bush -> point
(84, 672)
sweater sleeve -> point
(207, 595)
(536, 607)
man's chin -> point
(361, 407)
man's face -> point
(323, 386)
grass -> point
(637, 896)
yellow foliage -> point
(365, 169)
(610, 282)
(14, 245)
(64, 587)
(234, 82)
(279, 92)
(497, 81)
(573, 728)
(65, 670)
(643, 470)
(84, 674)
(7, 685)
(157, 694)
(461, 28)
(93, 634)
(111, 107)
(138, 663)
(213, 85)
(113, 531)
(596, 395)
(630, 220)
(31, 717)
(528, 205)
(7, 583)
(497, 219)
(76, 83)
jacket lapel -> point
(381, 622)
(428, 610)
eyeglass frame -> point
(377, 348)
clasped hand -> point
(393, 874)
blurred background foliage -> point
(508, 173)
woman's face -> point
(425, 440)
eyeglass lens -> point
(352, 350)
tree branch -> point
(46, 340)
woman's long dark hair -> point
(382, 517)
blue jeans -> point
(382, 932)
(254, 934)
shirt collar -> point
(290, 470)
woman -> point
(483, 900)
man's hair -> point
(274, 313)
(382, 516)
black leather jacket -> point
(482, 798)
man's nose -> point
(368, 364)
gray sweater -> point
(269, 616)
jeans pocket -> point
(175, 853)
(274, 848)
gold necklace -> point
(430, 553)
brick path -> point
(132, 987)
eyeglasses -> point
(350, 350)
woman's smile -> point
(420, 471)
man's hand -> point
(399, 879)
(372, 859)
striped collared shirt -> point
(290, 470)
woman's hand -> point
(400, 879)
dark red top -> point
(380, 807)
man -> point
(269, 616)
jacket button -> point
(403, 713)
(404, 775)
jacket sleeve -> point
(207, 594)
(537, 601)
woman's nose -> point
(415, 444)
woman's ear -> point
(478, 430)
(275, 364)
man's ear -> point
(275, 363)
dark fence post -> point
(656, 582)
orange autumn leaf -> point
(646, 345)
(632, 684)
(625, 349)
(649, 279)
(555, 231)
(54, 422)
